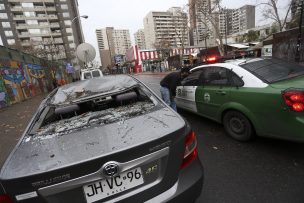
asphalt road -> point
(263, 170)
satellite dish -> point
(85, 52)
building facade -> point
(243, 18)
(227, 21)
(44, 28)
(169, 27)
(112, 42)
(139, 37)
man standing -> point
(168, 86)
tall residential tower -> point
(41, 25)
(112, 42)
(166, 27)
(139, 37)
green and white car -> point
(262, 97)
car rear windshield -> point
(274, 70)
(95, 74)
(98, 111)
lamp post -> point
(299, 47)
(73, 20)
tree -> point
(251, 36)
(271, 11)
(163, 47)
(209, 13)
(181, 29)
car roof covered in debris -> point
(95, 86)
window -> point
(8, 33)
(29, 14)
(69, 30)
(27, 5)
(2, 7)
(70, 38)
(87, 75)
(36, 39)
(67, 22)
(3, 16)
(236, 80)
(214, 76)
(6, 25)
(273, 70)
(31, 22)
(64, 6)
(65, 15)
(72, 45)
(45, 30)
(95, 74)
(34, 31)
(192, 79)
(11, 42)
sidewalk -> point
(13, 121)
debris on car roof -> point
(93, 118)
(82, 89)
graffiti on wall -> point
(14, 82)
(4, 101)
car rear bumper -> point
(188, 187)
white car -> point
(90, 73)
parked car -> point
(90, 73)
(106, 139)
(255, 97)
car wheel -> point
(238, 126)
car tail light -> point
(211, 59)
(190, 149)
(294, 99)
(5, 199)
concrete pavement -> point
(13, 121)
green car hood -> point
(297, 82)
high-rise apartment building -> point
(201, 30)
(139, 37)
(243, 18)
(41, 25)
(112, 42)
(227, 21)
(170, 26)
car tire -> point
(238, 126)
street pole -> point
(225, 13)
(73, 20)
(298, 57)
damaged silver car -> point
(106, 139)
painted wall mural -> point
(4, 101)
(20, 80)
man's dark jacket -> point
(171, 81)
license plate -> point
(111, 186)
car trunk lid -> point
(41, 164)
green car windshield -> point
(273, 70)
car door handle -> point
(220, 92)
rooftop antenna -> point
(86, 53)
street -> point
(264, 170)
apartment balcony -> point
(26, 43)
(40, 17)
(36, 8)
(32, 1)
(27, 34)
(26, 26)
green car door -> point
(214, 91)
